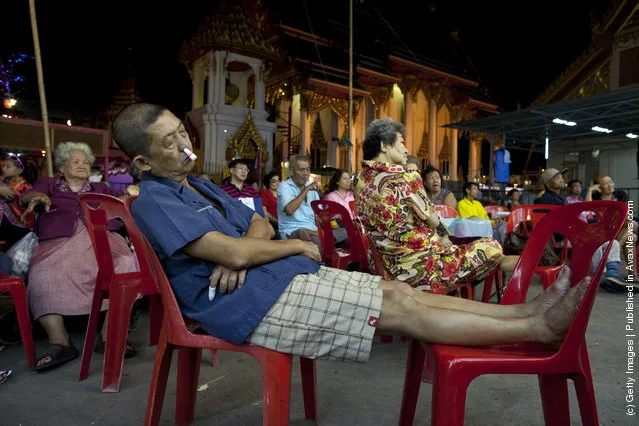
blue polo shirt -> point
(171, 216)
(303, 218)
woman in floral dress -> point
(402, 222)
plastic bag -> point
(20, 254)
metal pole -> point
(350, 85)
(43, 99)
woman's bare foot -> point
(551, 295)
(556, 320)
(508, 263)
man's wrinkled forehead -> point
(165, 125)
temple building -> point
(610, 63)
(268, 87)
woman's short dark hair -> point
(574, 181)
(333, 184)
(511, 192)
(266, 180)
(430, 169)
(382, 131)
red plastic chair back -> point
(584, 238)
(446, 211)
(532, 212)
(326, 211)
(100, 209)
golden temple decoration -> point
(379, 96)
(229, 28)
(423, 148)
(247, 141)
(598, 82)
(444, 153)
(410, 86)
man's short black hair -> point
(234, 162)
(130, 127)
(469, 185)
(383, 131)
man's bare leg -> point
(538, 305)
(405, 315)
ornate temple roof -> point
(230, 27)
(127, 94)
(621, 20)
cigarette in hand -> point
(189, 154)
(211, 293)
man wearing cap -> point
(553, 182)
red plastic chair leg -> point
(447, 387)
(488, 287)
(92, 328)
(214, 359)
(554, 399)
(414, 368)
(188, 372)
(309, 388)
(427, 376)
(276, 387)
(586, 392)
(19, 295)
(120, 307)
(159, 379)
(156, 311)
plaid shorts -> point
(331, 314)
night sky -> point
(518, 48)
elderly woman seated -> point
(402, 222)
(63, 267)
(432, 178)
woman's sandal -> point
(58, 354)
(129, 351)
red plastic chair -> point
(340, 258)
(276, 366)
(535, 213)
(122, 290)
(15, 286)
(444, 210)
(457, 366)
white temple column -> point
(453, 154)
(305, 128)
(213, 66)
(259, 88)
(409, 139)
(432, 132)
(197, 99)
(219, 81)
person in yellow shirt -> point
(470, 208)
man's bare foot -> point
(556, 320)
(551, 295)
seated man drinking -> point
(274, 293)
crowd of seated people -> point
(276, 294)
(270, 283)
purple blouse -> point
(60, 220)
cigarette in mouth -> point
(189, 154)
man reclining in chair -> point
(275, 294)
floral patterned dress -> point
(394, 208)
